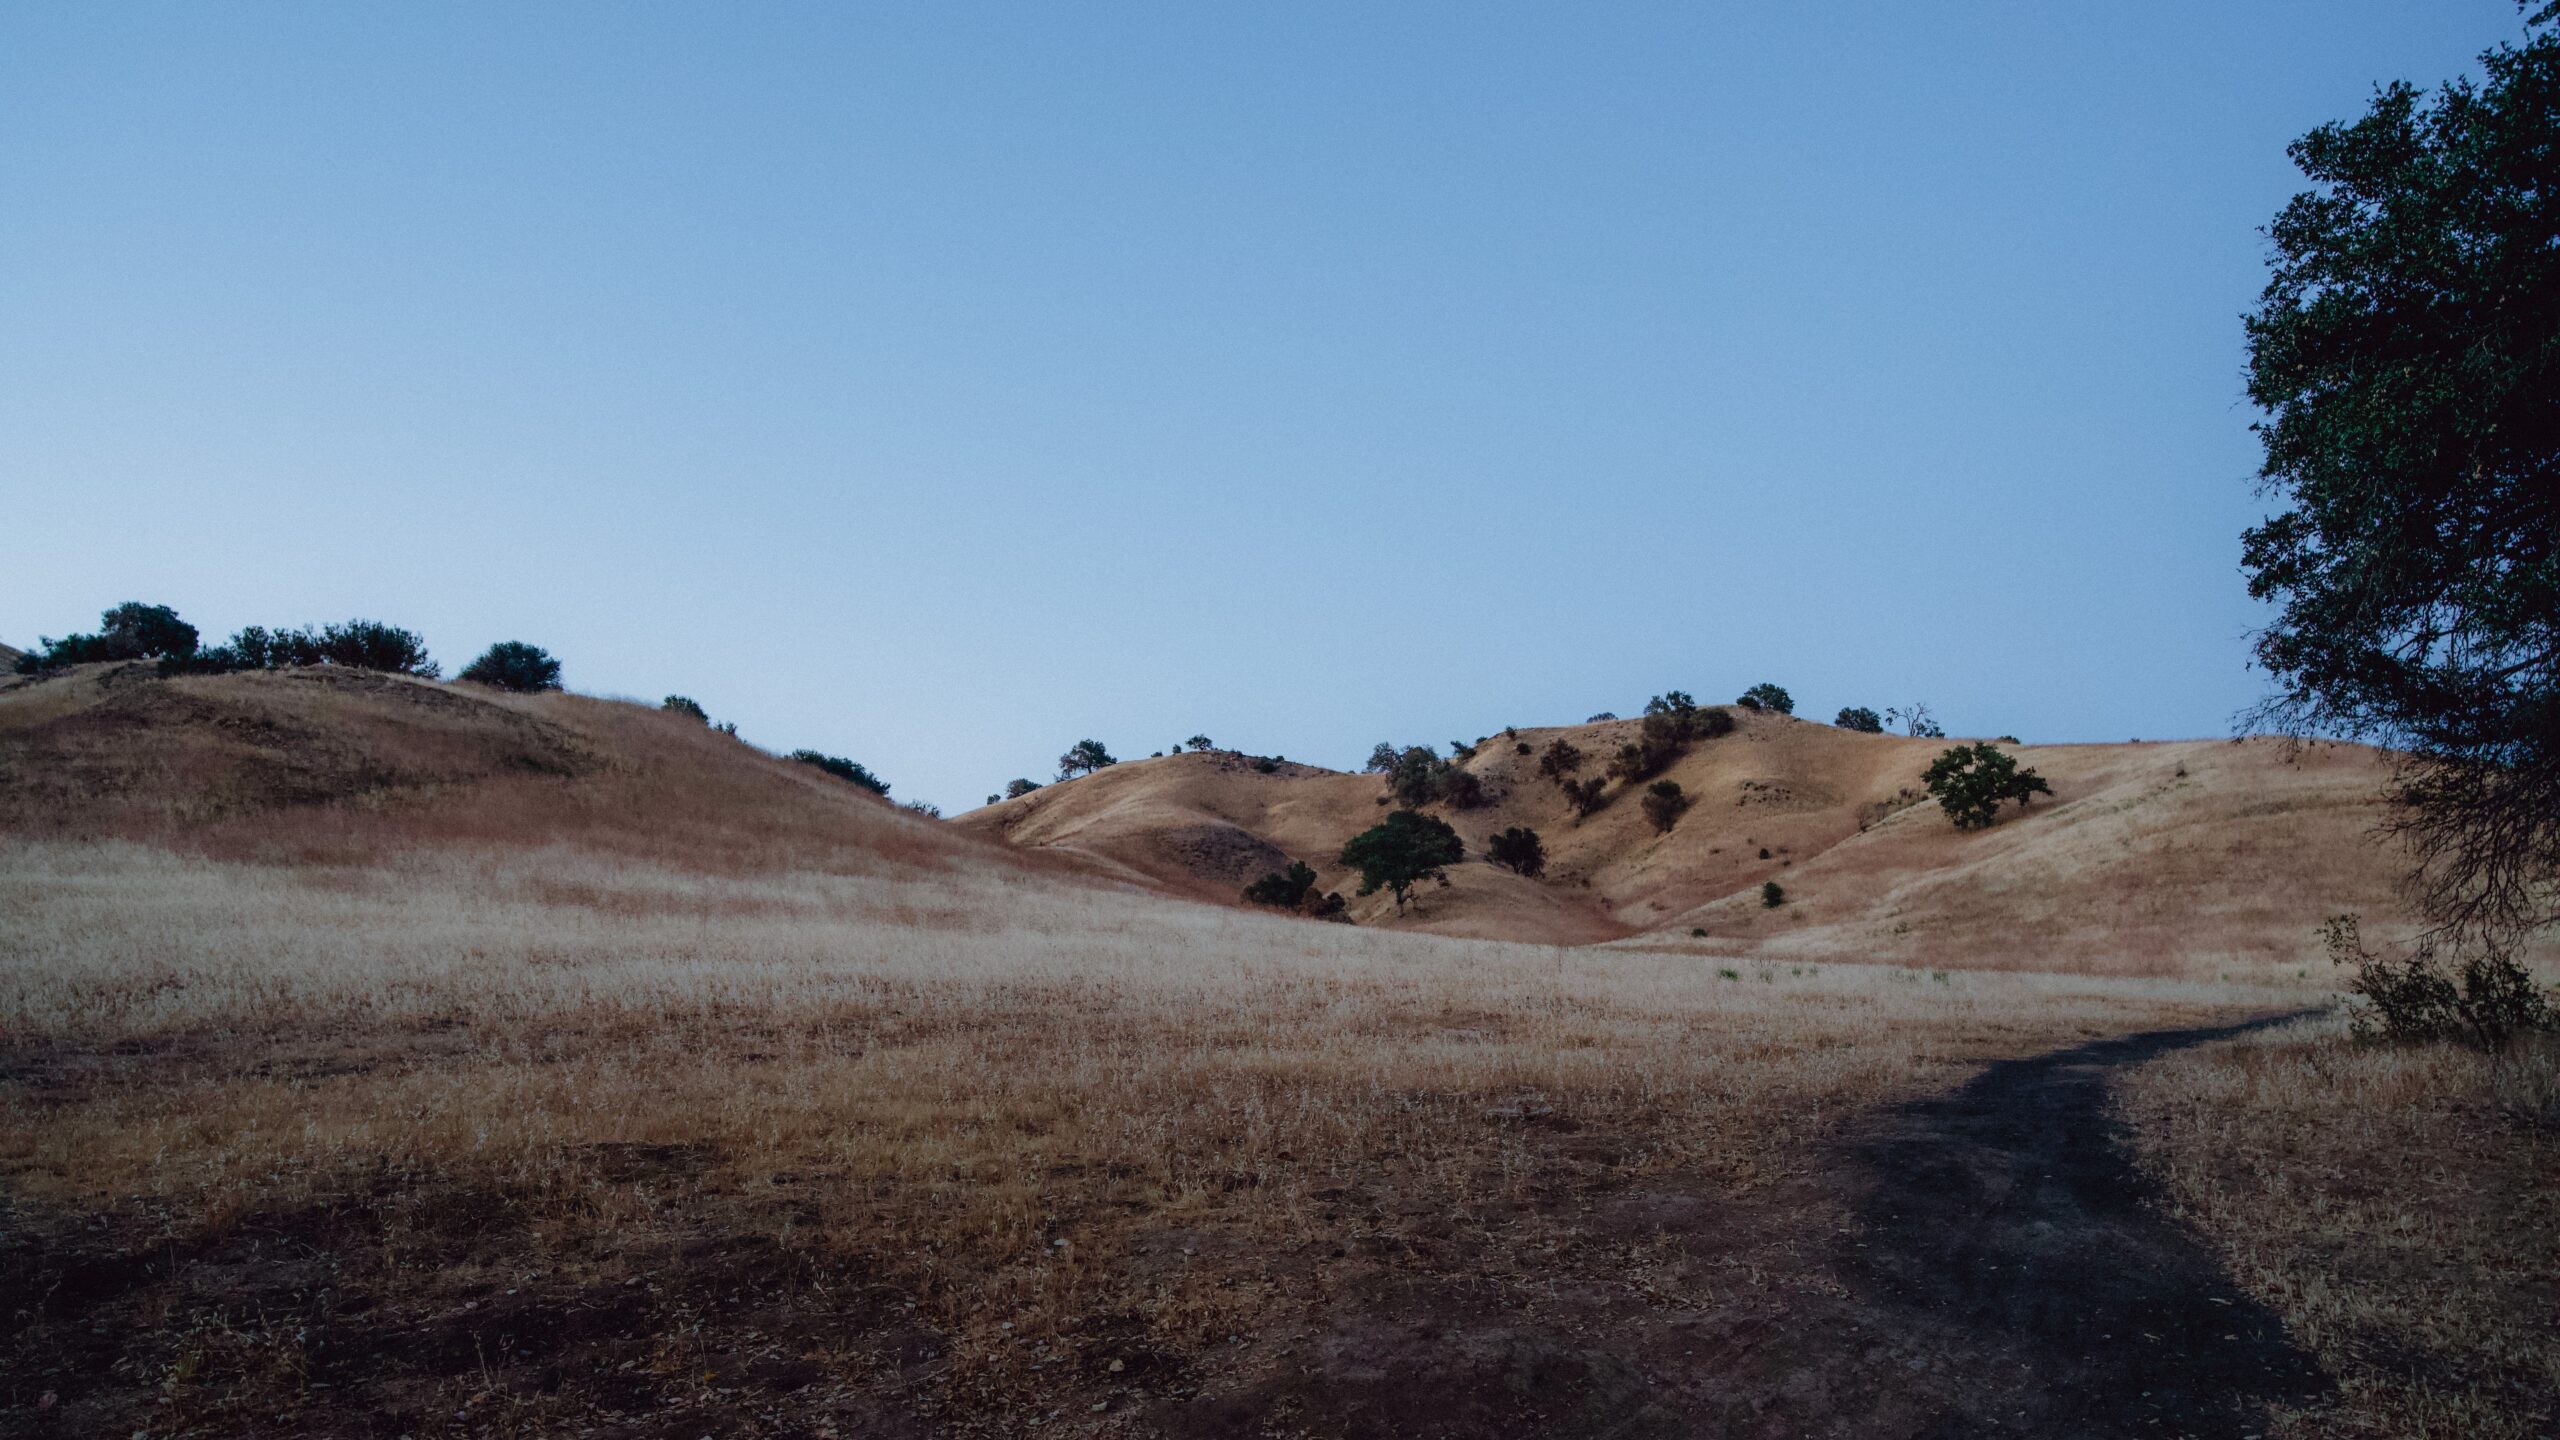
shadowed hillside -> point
(326, 762)
(2146, 858)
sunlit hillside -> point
(2160, 858)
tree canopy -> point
(1083, 758)
(1860, 719)
(1971, 781)
(2406, 353)
(1402, 851)
(514, 665)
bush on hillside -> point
(1084, 758)
(1772, 895)
(1765, 696)
(1561, 758)
(1382, 759)
(1601, 717)
(130, 631)
(1286, 889)
(1584, 796)
(514, 665)
(1860, 719)
(1017, 788)
(1519, 850)
(684, 705)
(1408, 848)
(1916, 721)
(1971, 781)
(852, 772)
(1198, 742)
(925, 808)
(356, 645)
(1663, 803)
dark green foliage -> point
(1711, 722)
(1663, 803)
(1772, 894)
(2493, 999)
(357, 644)
(1596, 719)
(1860, 719)
(684, 705)
(1971, 781)
(514, 665)
(1459, 789)
(851, 771)
(130, 631)
(1915, 721)
(2406, 352)
(1331, 907)
(1016, 789)
(1561, 758)
(1381, 760)
(1199, 742)
(1522, 748)
(1284, 888)
(1676, 702)
(1518, 849)
(1406, 849)
(1765, 696)
(1264, 764)
(1584, 796)
(925, 808)
(1083, 758)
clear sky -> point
(940, 384)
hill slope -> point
(2147, 858)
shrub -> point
(372, 645)
(1765, 696)
(1083, 758)
(130, 631)
(925, 808)
(1584, 796)
(1331, 907)
(1561, 758)
(1518, 849)
(2493, 1000)
(514, 665)
(1458, 789)
(850, 771)
(1970, 781)
(1382, 760)
(1772, 895)
(357, 645)
(1286, 889)
(1015, 789)
(1522, 748)
(1602, 716)
(684, 705)
(1663, 803)
(1408, 848)
(1860, 719)
(1198, 742)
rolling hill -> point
(2148, 857)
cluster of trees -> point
(1417, 776)
(852, 772)
(1294, 889)
(136, 631)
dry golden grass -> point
(378, 1049)
(2179, 859)
(2396, 1204)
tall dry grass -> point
(2396, 1204)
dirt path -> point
(2007, 1220)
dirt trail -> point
(2008, 1219)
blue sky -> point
(939, 385)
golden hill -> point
(2148, 858)
(322, 762)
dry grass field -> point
(386, 1058)
(2398, 1205)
